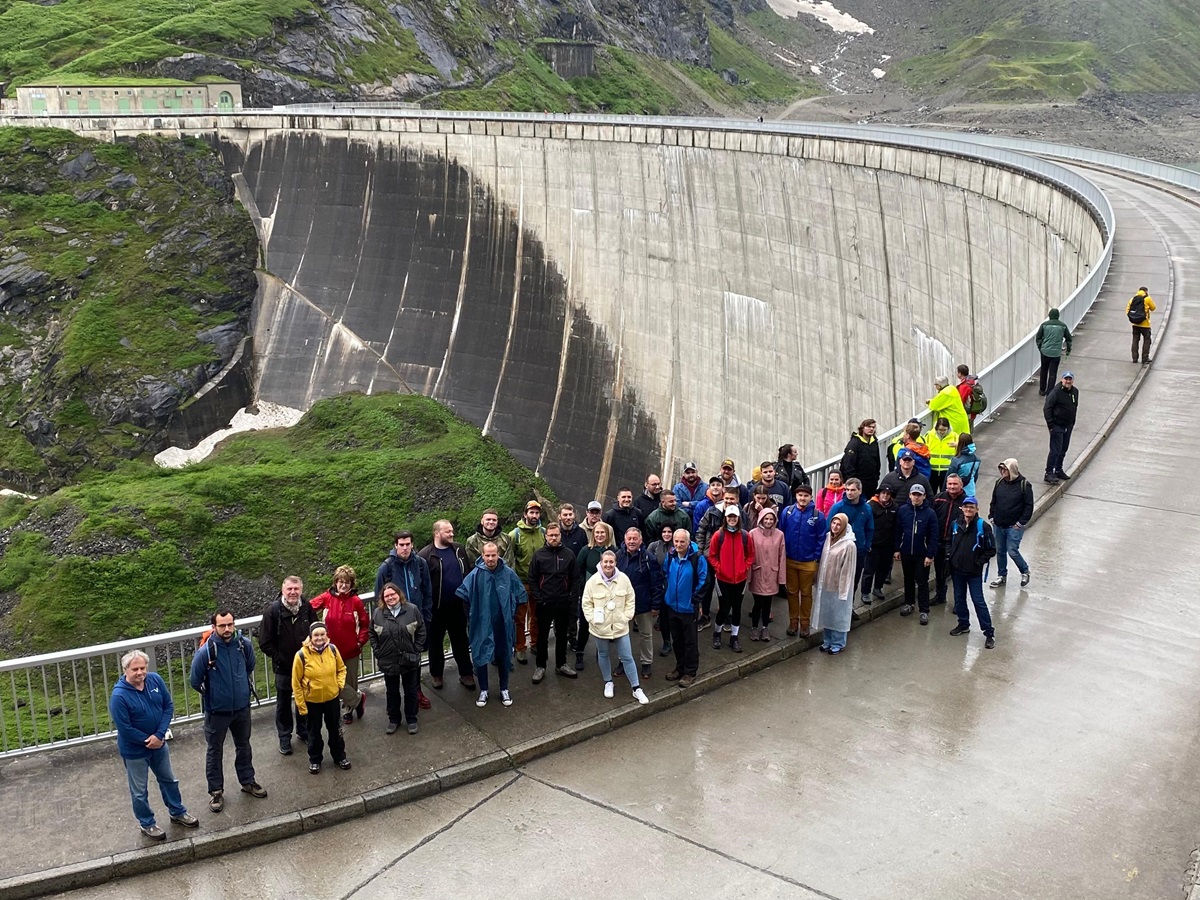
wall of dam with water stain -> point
(611, 299)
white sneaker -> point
(608, 690)
(506, 698)
(482, 701)
(640, 696)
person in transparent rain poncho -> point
(833, 593)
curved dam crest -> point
(607, 302)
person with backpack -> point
(974, 400)
(346, 620)
(972, 544)
(861, 458)
(221, 672)
(730, 555)
(1138, 310)
(283, 631)
(965, 463)
(318, 677)
(833, 599)
(1052, 336)
(397, 636)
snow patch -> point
(270, 415)
(816, 70)
(841, 22)
(877, 73)
(9, 492)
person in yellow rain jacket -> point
(943, 447)
(1138, 311)
(948, 402)
(318, 676)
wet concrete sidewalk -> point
(68, 814)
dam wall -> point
(608, 300)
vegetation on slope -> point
(147, 550)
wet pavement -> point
(1061, 764)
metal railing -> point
(61, 699)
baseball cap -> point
(595, 504)
(532, 504)
(727, 462)
(906, 454)
(733, 511)
(917, 489)
(689, 467)
(970, 500)
(885, 489)
(1070, 375)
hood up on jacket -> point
(1013, 469)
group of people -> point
(652, 563)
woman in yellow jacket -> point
(608, 606)
(318, 676)
(943, 447)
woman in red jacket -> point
(731, 555)
(346, 621)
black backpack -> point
(1137, 309)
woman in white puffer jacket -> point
(608, 606)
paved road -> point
(1063, 764)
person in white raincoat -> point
(833, 594)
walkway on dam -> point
(1062, 764)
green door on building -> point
(197, 103)
(94, 105)
(225, 102)
(149, 104)
(38, 104)
(72, 104)
(123, 104)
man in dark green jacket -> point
(1052, 335)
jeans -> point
(834, 640)
(1141, 333)
(1060, 442)
(216, 724)
(449, 618)
(1008, 543)
(973, 583)
(557, 613)
(137, 771)
(406, 679)
(284, 705)
(329, 714)
(916, 581)
(685, 641)
(1048, 375)
(481, 676)
(604, 647)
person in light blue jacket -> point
(965, 464)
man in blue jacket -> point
(916, 548)
(804, 528)
(685, 574)
(141, 709)
(221, 672)
(858, 513)
(645, 575)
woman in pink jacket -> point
(768, 575)
(831, 493)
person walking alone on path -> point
(1010, 512)
(833, 599)
(1138, 311)
(397, 636)
(318, 677)
(1052, 335)
(1060, 409)
(141, 709)
(972, 544)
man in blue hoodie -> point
(804, 528)
(685, 574)
(916, 546)
(141, 709)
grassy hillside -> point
(147, 550)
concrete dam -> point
(608, 300)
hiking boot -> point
(609, 690)
(716, 643)
(391, 728)
(686, 681)
(907, 609)
(960, 629)
(521, 658)
(877, 594)
(924, 618)
(154, 832)
(734, 644)
(254, 789)
(538, 674)
(285, 747)
(578, 662)
(483, 698)
(506, 698)
(216, 800)
(998, 581)
(640, 696)
(187, 820)
(412, 728)
(673, 675)
(362, 703)
(990, 643)
(566, 671)
(1025, 578)
(666, 649)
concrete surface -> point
(1082, 716)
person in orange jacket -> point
(346, 620)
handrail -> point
(87, 667)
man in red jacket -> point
(346, 620)
(731, 554)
